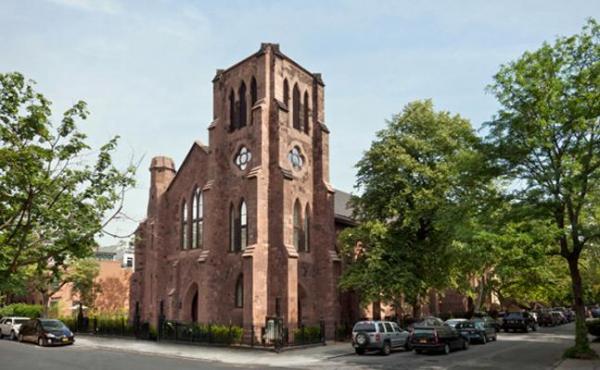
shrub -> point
(310, 334)
(593, 327)
(22, 309)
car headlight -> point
(50, 335)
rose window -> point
(295, 158)
(242, 159)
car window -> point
(396, 328)
(514, 315)
(1, 321)
(20, 321)
(380, 328)
(365, 326)
(388, 327)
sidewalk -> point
(305, 357)
(570, 364)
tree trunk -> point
(45, 299)
(582, 344)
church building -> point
(245, 228)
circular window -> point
(242, 159)
(296, 159)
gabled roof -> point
(342, 208)
(197, 143)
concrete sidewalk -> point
(305, 357)
(570, 364)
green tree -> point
(546, 138)
(413, 183)
(48, 279)
(55, 193)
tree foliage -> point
(55, 193)
(414, 181)
(546, 139)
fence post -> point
(95, 324)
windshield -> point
(363, 326)
(514, 315)
(52, 324)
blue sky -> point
(145, 67)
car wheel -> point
(386, 349)
(41, 342)
(20, 337)
(418, 351)
(526, 329)
(13, 336)
(447, 347)
(359, 351)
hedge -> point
(593, 327)
(22, 309)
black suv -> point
(522, 321)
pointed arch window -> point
(243, 113)
(184, 226)
(307, 229)
(306, 113)
(239, 292)
(232, 229)
(253, 98)
(197, 219)
(232, 123)
(286, 93)
(297, 221)
(243, 226)
(296, 107)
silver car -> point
(382, 336)
(9, 326)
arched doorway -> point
(190, 304)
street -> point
(535, 350)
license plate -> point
(65, 340)
(422, 340)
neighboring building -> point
(123, 252)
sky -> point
(145, 67)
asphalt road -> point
(512, 351)
(25, 356)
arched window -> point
(286, 93)
(306, 112)
(243, 226)
(232, 229)
(297, 220)
(253, 92)
(307, 228)
(184, 226)
(243, 108)
(197, 219)
(239, 292)
(296, 108)
(232, 123)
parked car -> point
(429, 321)
(9, 326)
(559, 317)
(519, 321)
(569, 314)
(379, 335)
(453, 322)
(45, 332)
(595, 312)
(547, 319)
(477, 330)
(437, 338)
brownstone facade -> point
(245, 228)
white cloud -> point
(102, 6)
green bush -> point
(310, 334)
(593, 327)
(22, 309)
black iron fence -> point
(200, 333)
(110, 326)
